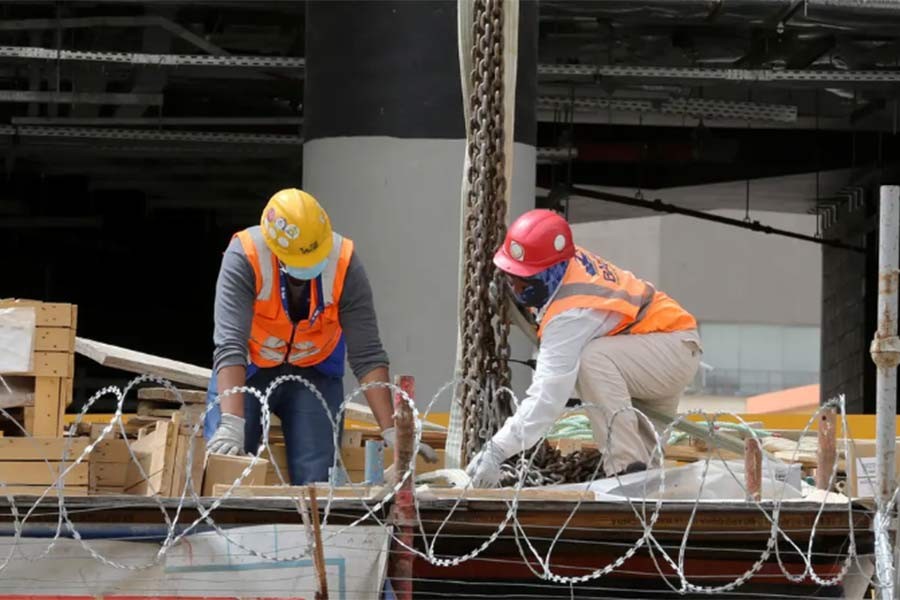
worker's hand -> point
(484, 468)
(229, 437)
(389, 436)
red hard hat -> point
(535, 241)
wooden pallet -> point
(28, 465)
(46, 390)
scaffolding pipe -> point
(885, 352)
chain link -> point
(485, 326)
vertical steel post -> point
(885, 352)
(403, 511)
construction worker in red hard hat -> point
(292, 298)
(601, 329)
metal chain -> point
(550, 467)
(484, 325)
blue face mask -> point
(305, 273)
(542, 286)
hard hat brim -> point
(508, 264)
(304, 261)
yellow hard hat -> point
(296, 228)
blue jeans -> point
(308, 430)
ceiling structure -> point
(137, 101)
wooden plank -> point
(54, 339)
(37, 490)
(170, 465)
(48, 314)
(150, 451)
(15, 472)
(360, 412)
(107, 475)
(52, 364)
(161, 394)
(225, 469)
(540, 494)
(41, 448)
(46, 407)
(692, 454)
(179, 477)
(294, 491)
(111, 450)
(28, 418)
(351, 438)
(139, 362)
(65, 399)
(568, 445)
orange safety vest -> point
(274, 339)
(591, 282)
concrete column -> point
(384, 149)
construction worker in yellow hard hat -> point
(292, 295)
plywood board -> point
(139, 362)
(15, 472)
(41, 448)
(161, 394)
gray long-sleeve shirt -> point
(233, 314)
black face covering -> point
(535, 295)
(540, 287)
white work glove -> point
(229, 437)
(484, 468)
(389, 436)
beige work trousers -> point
(655, 368)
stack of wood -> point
(39, 397)
(160, 438)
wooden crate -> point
(29, 465)
(46, 390)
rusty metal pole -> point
(885, 352)
(753, 468)
(319, 557)
(403, 511)
(826, 455)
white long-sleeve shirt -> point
(559, 357)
